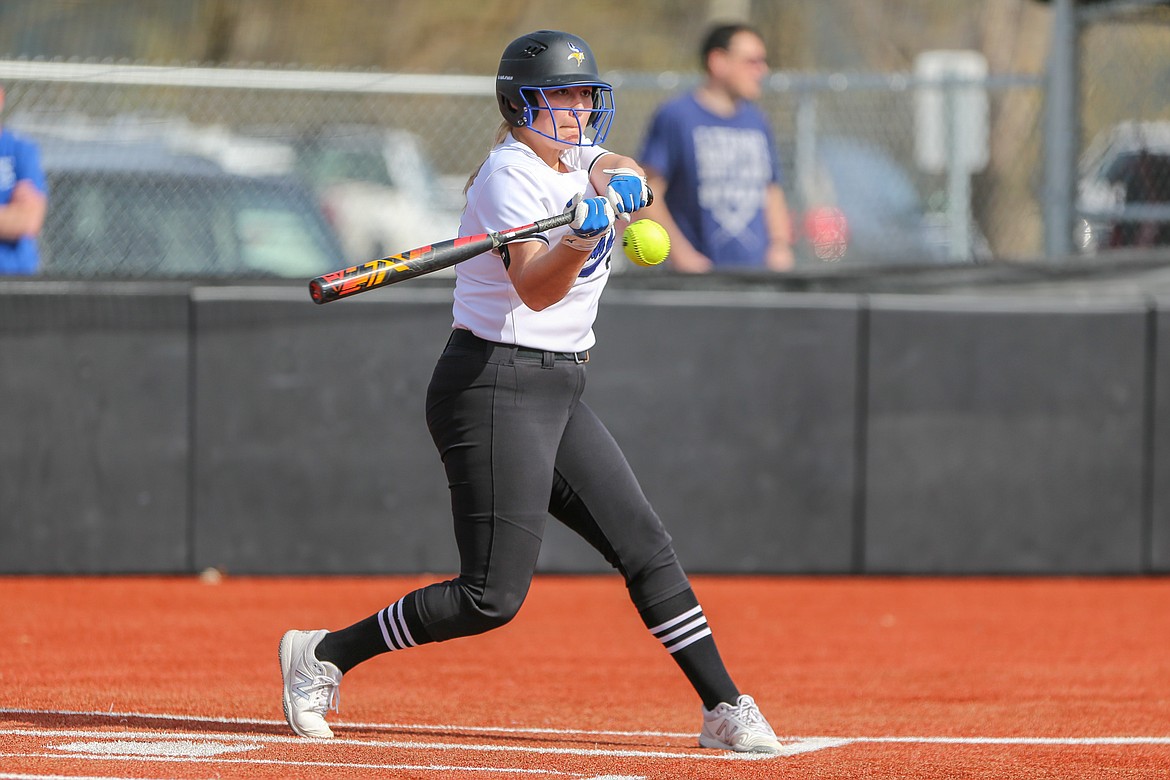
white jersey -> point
(514, 188)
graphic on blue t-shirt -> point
(734, 168)
(7, 174)
(718, 170)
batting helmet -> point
(548, 59)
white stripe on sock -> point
(699, 621)
(689, 640)
(399, 644)
(385, 633)
(402, 621)
(676, 620)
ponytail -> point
(502, 133)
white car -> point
(377, 188)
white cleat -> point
(311, 687)
(739, 727)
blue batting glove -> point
(627, 191)
(592, 217)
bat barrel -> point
(368, 276)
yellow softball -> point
(646, 242)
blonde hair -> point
(501, 133)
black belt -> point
(466, 338)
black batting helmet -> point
(548, 59)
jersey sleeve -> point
(508, 197)
(581, 158)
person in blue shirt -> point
(23, 201)
(710, 157)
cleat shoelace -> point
(749, 714)
(324, 694)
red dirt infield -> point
(176, 677)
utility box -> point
(950, 111)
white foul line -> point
(414, 745)
(322, 764)
(505, 730)
(1018, 740)
(11, 776)
(350, 724)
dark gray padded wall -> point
(313, 454)
(736, 412)
(312, 449)
(1005, 436)
(93, 454)
(1160, 464)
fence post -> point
(1061, 130)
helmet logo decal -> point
(576, 55)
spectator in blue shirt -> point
(23, 201)
(710, 157)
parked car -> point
(377, 188)
(1124, 189)
(143, 210)
(859, 206)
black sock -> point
(396, 627)
(679, 624)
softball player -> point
(504, 407)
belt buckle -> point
(578, 359)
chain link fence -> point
(385, 157)
(220, 171)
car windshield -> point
(1145, 176)
(108, 223)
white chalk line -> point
(1073, 741)
(509, 730)
(400, 744)
(482, 770)
(156, 750)
(344, 724)
(13, 776)
(797, 747)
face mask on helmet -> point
(597, 119)
(534, 66)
